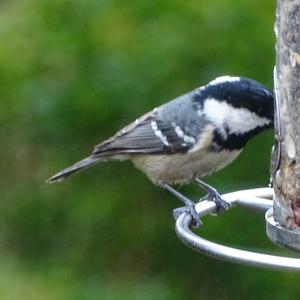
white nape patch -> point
(223, 79)
(159, 134)
(238, 120)
(186, 138)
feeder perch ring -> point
(259, 199)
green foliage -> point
(71, 74)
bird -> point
(189, 137)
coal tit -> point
(189, 137)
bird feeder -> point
(281, 203)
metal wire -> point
(258, 199)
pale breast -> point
(182, 168)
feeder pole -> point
(286, 157)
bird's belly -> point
(182, 168)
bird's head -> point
(239, 107)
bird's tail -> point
(83, 164)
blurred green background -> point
(72, 72)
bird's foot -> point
(222, 205)
(190, 209)
(213, 195)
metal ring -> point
(255, 198)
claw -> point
(190, 209)
(213, 195)
(222, 205)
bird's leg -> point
(213, 195)
(189, 206)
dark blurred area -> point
(71, 74)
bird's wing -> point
(147, 135)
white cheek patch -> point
(159, 134)
(238, 120)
